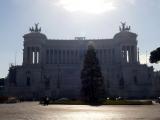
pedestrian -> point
(47, 100)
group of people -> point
(45, 100)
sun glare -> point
(87, 6)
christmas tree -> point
(92, 89)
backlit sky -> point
(67, 19)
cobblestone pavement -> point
(34, 111)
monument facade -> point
(52, 67)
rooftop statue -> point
(124, 27)
(35, 29)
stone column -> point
(51, 56)
(78, 56)
(125, 54)
(121, 54)
(57, 58)
(61, 56)
(99, 58)
(107, 56)
(47, 56)
(73, 56)
(102, 56)
(35, 56)
(27, 55)
(69, 56)
(38, 56)
(138, 55)
(54, 57)
(64, 56)
(111, 55)
(41, 55)
(130, 55)
(31, 55)
(135, 54)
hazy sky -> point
(69, 18)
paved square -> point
(34, 111)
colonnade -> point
(129, 54)
(33, 55)
(60, 56)
(75, 56)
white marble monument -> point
(52, 67)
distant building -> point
(52, 67)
